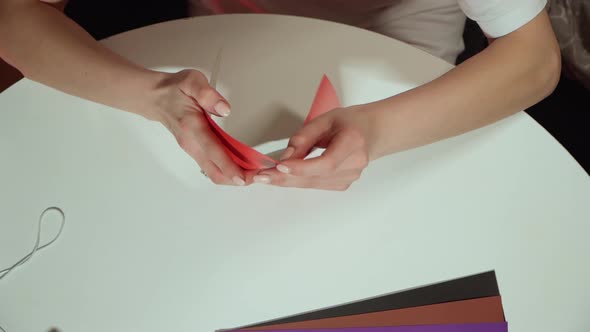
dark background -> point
(565, 113)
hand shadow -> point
(280, 124)
(284, 123)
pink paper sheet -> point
(248, 158)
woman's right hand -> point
(178, 102)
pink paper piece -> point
(325, 100)
(248, 158)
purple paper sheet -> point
(481, 327)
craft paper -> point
(248, 158)
(479, 327)
(487, 309)
(470, 287)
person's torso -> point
(435, 26)
(361, 13)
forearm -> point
(513, 73)
(49, 48)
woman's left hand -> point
(347, 135)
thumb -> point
(307, 137)
(205, 95)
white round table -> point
(150, 245)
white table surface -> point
(150, 245)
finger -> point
(339, 181)
(208, 167)
(249, 176)
(217, 154)
(339, 149)
(306, 138)
(205, 95)
(336, 188)
(203, 146)
(215, 175)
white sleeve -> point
(501, 17)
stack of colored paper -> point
(469, 304)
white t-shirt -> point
(435, 26)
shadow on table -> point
(283, 121)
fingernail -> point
(265, 179)
(222, 108)
(287, 153)
(283, 169)
(238, 181)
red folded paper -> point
(248, 158)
